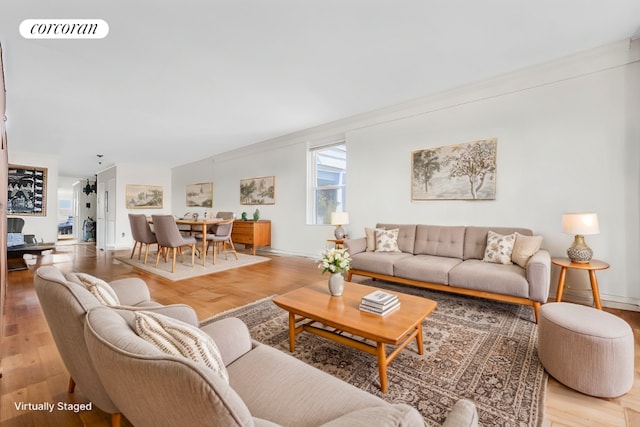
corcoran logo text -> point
(64, 29)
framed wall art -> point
(258, 191)
(200, 195)
(141, 196)
(455, 172)
(27, 190)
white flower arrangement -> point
(335, 260)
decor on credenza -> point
(256, 215)
(26, 190)
(141, 196)
(258, 191)
(336, 262)
(339, 219)
(200, 195)
(455, 172)
(580, 225)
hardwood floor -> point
(33, 372)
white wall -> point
(45, 228)
(567, 141)
(119, 176)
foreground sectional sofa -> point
(454, 259)
(125, 374)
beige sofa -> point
(450, 258)
(123, 374)
(266, 387)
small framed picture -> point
(258, 191)
(140, 196)
(200, 195)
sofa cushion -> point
(377, 262)
(439, 240)
(180, 339)
(387, 240)
(475, 239)
(426, 268)
(499, 248)
(524, 248)
(490, 277)
(406, 235)
(286, 383)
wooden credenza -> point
(252, 233)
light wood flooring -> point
(33, 372)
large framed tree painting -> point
(455, 172)
(27, 190)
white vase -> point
(336, 284)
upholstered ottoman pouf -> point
(586, 349)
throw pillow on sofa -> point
(370, 234)
(177, 338)
(524, 248)
(100, 289)
(499, 248)
(387, 240)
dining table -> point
(204, 223)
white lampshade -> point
(580, 223)
(339, 218)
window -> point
(328, 177)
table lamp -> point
(339, 219)
(580, 224)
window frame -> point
(313, 187)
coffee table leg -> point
(420, 340)
(382, 366)
(292, 332)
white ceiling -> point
(179, 81)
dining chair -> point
(213, 227)
(222, 236)
(142, 235)
(169, 237)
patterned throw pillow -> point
(499, 248)
(524, 248)
(180, 339)
(99, 289)
(387, 240)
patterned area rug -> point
(477, 349)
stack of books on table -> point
(379, 302)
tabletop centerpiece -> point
(336, 262)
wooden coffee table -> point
(313, 304)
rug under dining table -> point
(184, 270)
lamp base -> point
(339, 233)
(579, 252)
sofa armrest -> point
(539, 276)
(180, 312)
(463, 414)
(398, 414)
(131, 291)
(355, 246)
(231, 336)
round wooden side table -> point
(591, 267)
